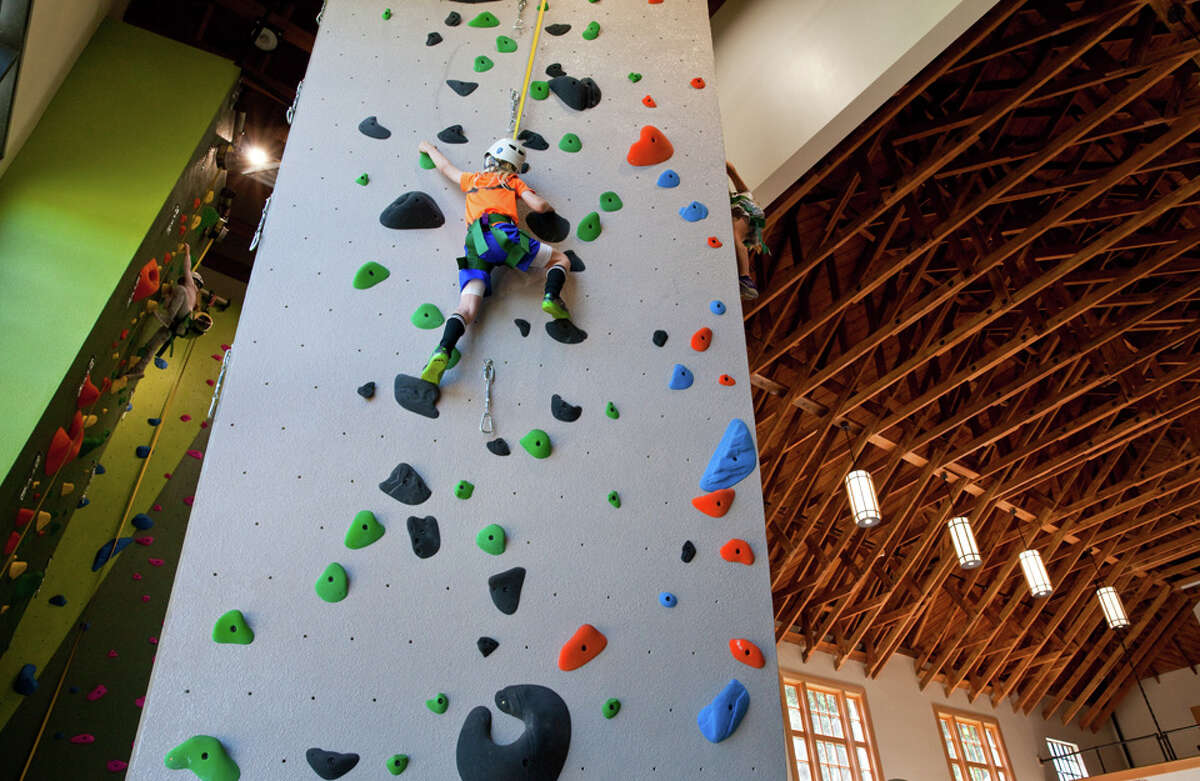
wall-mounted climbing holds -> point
(614, 499)
(463, 88)
(334, 584)
(405, 485)
(412, 210)
(721, 717)
(205, 756)
(659, 338)
(363, 179)
(681, 377)
(548, 226)
(26, 682)
(454, 19)
(532, 140)
(58, 600)
(538, 755)
(716, 503)
(433, 39)
(651, 148)
(484, 19)
(88, 393)
(610, 201)
(612, 706)
(564, 410)
(555, 69)
(148, 280)
(498, 447)
(84, 738)
(483, 63)
(591, 31)
(417, 395)
(463, 489)
(231, 627)
(387, 14)
(688, 552)
(746, 652)
(425, 162)
(424, 534)
(427, 316)
(558, 29)
(733, 459)
(725, 379)
(366, 390)
(452, 135)
(397, 764)
(584, 646)
(330, 764)
(648, 102)
(702, 339)
(369, 275)
(589, 227)
(505, 588)
(667, 599)
(694, 211)
(738, 552)
(491, 539)
(717, 307)
(635, 77)
(610, 409)
(697, 83)
(505, 45)
(714, 242)
(486, 645)
(539, 90)
(438, 703)
(537, 443)
(570, 143)
(363, 530)
(371, 128)
(108, 550)
(579, 94)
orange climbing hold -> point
(725, 379)
(584, 646)
(148, 281)
(737, 551)
(648, 102)
(697, 82)
(715, 504)
(87, 394)
(714, 242)
(702, 339)
(651, 148)
(746, 652)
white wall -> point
(797, 76)
(1172, 696)
(907, 733)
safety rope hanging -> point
(537, 32)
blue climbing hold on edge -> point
(83, 502)
(99, 469)
(26, 682)
(58, 600)
(681, 377)
(668, 178)
(108, 550)
(160, 363)
(694, 211)
(733, 459)
(667, 599)
(717, 307)
(142, 451)
(142, 521)
(721, 717)
(154, 421)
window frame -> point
(1079, 771)
(985, 724)
(843, 692)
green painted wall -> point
(76, 203)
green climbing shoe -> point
(436, 367)
(555, 307)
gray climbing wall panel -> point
(296, 452)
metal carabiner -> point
(489, 375)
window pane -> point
(795, 720)
(980, 774)
(957, 773)
(948, 737)
(993, 744)
(790, 693)
(855, 720)
(800, 749)
(864, 764)
(826, 715)
(972, 742)
(834, 761)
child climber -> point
(493, 239)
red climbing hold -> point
(87, 394)
(648, 102)
(714, 242)
(116, 765)
(84, 738)
(137, 576)
(148, 281)
(140, 701)
(167, 475)
(737, 551)
(196, 454)
(204, 424)
(725, 379)
(702, 339)
(195, 203)
(11, 545)
(152, 640)
(746, 652)
(112, 653)
(654, 2)
(651, 148)
(105, 384)
(584, 646)
(144, 540)
(715, 504)
(97, 693)
(24, 516)
(210, 383)
(56, 456)
(185, 417)
(188, 500)
(697, 82)
(156, 508)
(124, 334)
(145, 597)
(156, 562)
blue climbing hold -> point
(668, 178)
(721, 717)
(160, 363)
(733, 460)
(83, 502)
(58, 600)
(154, 421)
(74, 690)
(717, 307)
(26, 683)
(667, 599)
(129, 407)
(99, 469)
(681, 377)
(142, 451)
(694, 212)
(142, 521)
(108, 550)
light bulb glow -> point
(1114, 611)
(963, 539)
(1035, 574)
(864, 505)
(257, 156)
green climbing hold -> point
(333, 585)
(485, 19)
(387, 14)
(397, 763)
(483, 63)
(427, 316)
(455, 357)
(612, 706)
(610, 201)
(426, 162)
(536, 443)
(635, 77)
(232, 628)
(206, 757)
(505, 45)
(364, 530)
(370, 274)
(589, 227)
(463, 489)
(539, 90)
(570, 143)
(363, 179)
(438, 704)
(611, 411)
(591, 31)
(614, 499)
(491, 539)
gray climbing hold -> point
(463, 88)
(405, 485)
(659, 338)
(330, 764)
(532, 140)
(548, 226)
(579, 94)
(538, 755)
(564, 410)
(688, 553)
(555, 69)
(367, 390)
(426, 539)
(733, 459)
(454, 19)
(565, 331)
(522, 326)
(433, 39)
(505, 589)
(498, 446)
(452, 135)
(412, 210)
(371, 127)
(486, 645)
(417, 395)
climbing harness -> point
(489, 376)
(537, 32)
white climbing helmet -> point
(507, 150)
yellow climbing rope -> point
(537, 32)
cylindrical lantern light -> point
(863, 503)
(1114, 611)
(1035, 574)
(964, 542)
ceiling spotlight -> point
(256, 156)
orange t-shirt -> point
(487, 193)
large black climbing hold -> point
(433, 39)
(452, 135)
(522, 326)
(426, 539)
(564, 410)
(330, 764)
(565, 331)
(506, 589)
(576, 261)
(367, 391)
(371, 127)
(405, 485)
(548, 226)
(498, 446)
(412, 210)
(579, 94)
(486, 645)
(454, 19)
(417, 395)
(555, 69)
(688, 553)
(538, 755)
(463, 88)
(532, 140)
(659, 338)
(26, 682)
(558, 29)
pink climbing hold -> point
(157, 508)
(156, 562)
(185, 417)
(83, 738)
(225, 347)
(152, 640)
(112, 653)
(145, 597)
(196, 454)
(147, 540)
(210, 383)
(188, 500)
(116, 765)
(140, 701)
(204, 424)
(97, 693)
(217, 356)
(137, 576)
(167, 475)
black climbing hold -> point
(532, 140)
(452, 135)
(579, 94)
(412, 210)
(558, 29)
(486, 645)
(555, 69)
(371, 127)
(659, 338)
(330, 764)
(538, 755)
(426, 540)
(417, 395)
(454, 19)
(58, 600)
(26, 682)
(506, 589)
(367, 391)
(564, 410)
(522, 326)
(405, 485)
(498, 446)
(689, 552)
(576, 261)
(463, 88)
(548, 226)
(565, 331)
(433, 39)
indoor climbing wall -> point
(595, 566)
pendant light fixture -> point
(1114, 611)
(1032, 567)
(860, 490)
(963, 539)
